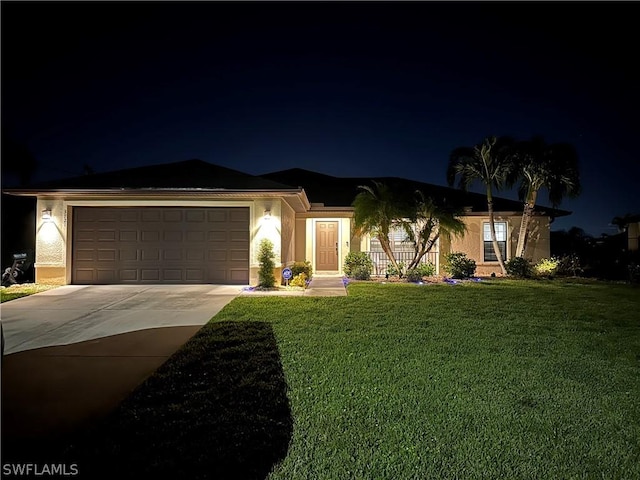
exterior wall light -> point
(267, 213)
(46, 214)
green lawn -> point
(496, 379)
(22, 290)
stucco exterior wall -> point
(288, 222)
(539, 243)
(633, 232)
(51, 239)
(266, 226)
(53, 236)
(345, 243)
(471, 243)
(301, 240)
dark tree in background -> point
(18, 213)
(18, 163)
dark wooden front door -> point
(327, 246)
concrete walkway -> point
(77, 313)
(320, 286)
(326, 286)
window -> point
(396, 241)
(501, 236)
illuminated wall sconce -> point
(267, 213)
(46, 214)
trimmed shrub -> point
(299, 280)
(392, 271)
(358, 264)
(547, 267)
(302, 267)
(422, 270)
(413, 275)
(266, 257)
(426, 269)
(519, 267)
(361, 272)
(458, 265)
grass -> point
(22, 290)
(497, 379)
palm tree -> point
(489, 162)
(376, 212)
(539, 165)
(429, 222)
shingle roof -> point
(320, 188)
(341, 191)
(188, 174)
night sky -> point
(348, 89)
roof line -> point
(31, 191)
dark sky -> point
(352, 89)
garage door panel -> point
(195, 255)
(239, 255)
(173, 236)
(150, 236)
(160, 245)
(128, 215)
(128, 236)
(217, 255)
(106, 235)
(221, 236)
(240, 215)
(172, 215)
(239, 236)
(172, 254)
(239, 275)
(149, 254)
(218, 275)
(196, 236)
(85, 235)
(85, 254)
(106, 255)
(127, 254)
(217, 215)
(150, 274)
(84, 275)
(195, 275)
(151, 215)
(172, 275)
(128, 275)
(106, 276)
(195, 215)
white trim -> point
(507, 240)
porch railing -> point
(380, 260)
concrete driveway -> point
(77, 313)
(72, 354)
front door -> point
(327, 246)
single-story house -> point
(195, 222)
(633, 233)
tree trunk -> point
(492, 227)
(384, 243)
(524, 225)
(419, 254)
